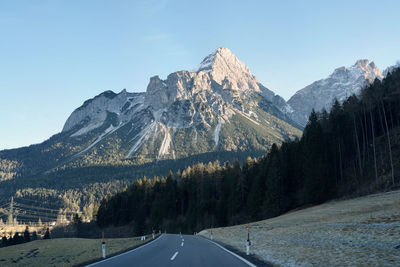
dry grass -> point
(62, 251)
(359, 232)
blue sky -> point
(56, 54)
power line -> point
(32, 200)
(39, 208)
(23, 212)
(38, 217)
(35, 207)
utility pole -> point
(10, 219)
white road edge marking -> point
(234, 254)
(173, 257)
(94, 263)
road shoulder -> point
(98, 260)
(253, 259)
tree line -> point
(352, 148)
(25, 237)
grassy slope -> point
(63, 251)
(361, 232)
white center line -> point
(173, 257)
(182, 244)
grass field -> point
(63, 251)
(364, 231)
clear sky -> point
(56, 54)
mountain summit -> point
(220, 107)
(187, 113)
(224, 65)
(342, 83)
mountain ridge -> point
(340, 84)
(219, 107)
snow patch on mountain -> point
(166, 143)
(217, 131)
(195, 137)
(107, 132)
(140, 138)
(87, 128)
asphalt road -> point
(177, 251)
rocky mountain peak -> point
(228, 71)
(390, 69)
(222, 55)
(196, 104)
(342, 83)
(362, 63)
(368, 69)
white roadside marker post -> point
(211, 235)
(103, 245)
(248, 243)
(153, 233)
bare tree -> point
(389, 144)
(373, 145)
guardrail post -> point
(248, 243)
(103, 245)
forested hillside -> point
(63, 193)
(354, 149)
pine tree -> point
(273, 184)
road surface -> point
(177, 251)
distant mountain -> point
(218, 111)
(218, 107)
(390, 69)
(342, 83)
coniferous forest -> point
(352, 149)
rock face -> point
(220, 106)
(390, 69)
(342, 83)
(93, 113)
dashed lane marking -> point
(173, 257)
